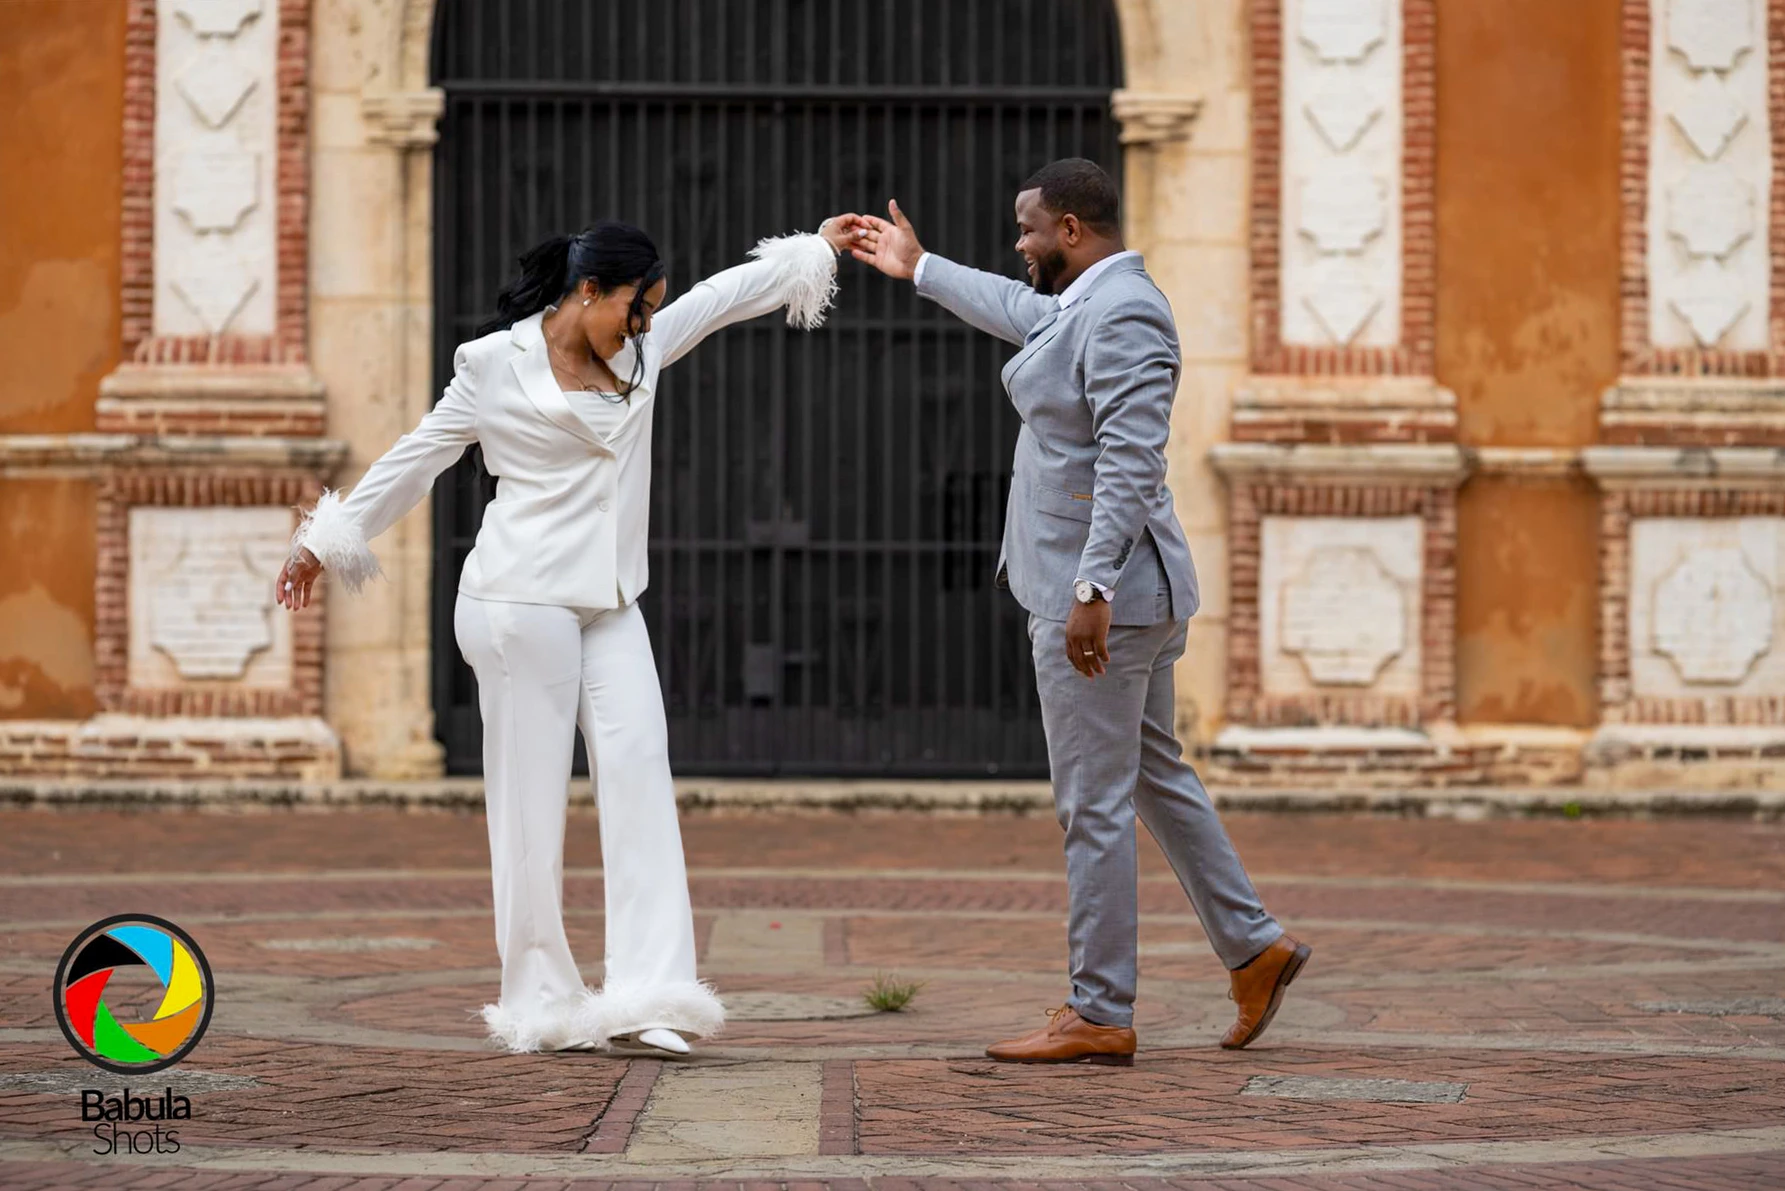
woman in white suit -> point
(559, 396)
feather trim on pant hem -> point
(548, 1027)
(690, 1008)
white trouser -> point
(542, 671)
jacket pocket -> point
(1075, 506)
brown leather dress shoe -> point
(1258, 988)
(1069, 1038)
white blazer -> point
(569, 524)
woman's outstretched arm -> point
(334, 535)
(798, 272)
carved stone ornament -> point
(1343, 207)
(1153, 118)
(1344, 616)
(1342, 298)
(1343, 30)
(215, 86)
(1713, 616)
(1711, 212)
(217, 18)
(214, 191)
(1710, 34)
(403, 119)
(1707, 302)
(1708, 117)
(1341, 112)
(215, 282)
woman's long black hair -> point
(609, 254)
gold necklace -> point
(587, 386)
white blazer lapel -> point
(533, 369)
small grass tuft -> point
(889, 994)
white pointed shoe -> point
(667, 1043)
(578, 1044)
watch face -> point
(1083, 590)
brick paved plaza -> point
(1491, 1004)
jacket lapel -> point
(1050, 325)
(533, 368)
(1039, 335)
(622, 365)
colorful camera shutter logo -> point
(123, 942)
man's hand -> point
(1087, 637)
(843, 232)
(890, 247)
(296, 578)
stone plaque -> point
(1713, 615)
(1344, 615)
(1339, 604)
(1704, 606)
(201, 597)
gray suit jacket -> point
(1094, 385)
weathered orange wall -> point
(47, 531)
(61, 186)
(61, 189)
(1527, 225)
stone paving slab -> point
(1605, 994)
(1734, 1173)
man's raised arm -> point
(996, 305)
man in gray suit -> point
(1093, 551)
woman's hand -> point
(843, 232)
(296, 578)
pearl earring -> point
(585, 301)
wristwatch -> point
(1085, 592)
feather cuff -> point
(330, 532)
(807, 266)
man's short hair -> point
(1075, 186)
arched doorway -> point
(826, 507)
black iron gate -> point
(826, 507)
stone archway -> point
(372, 293)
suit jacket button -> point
(602, 506)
